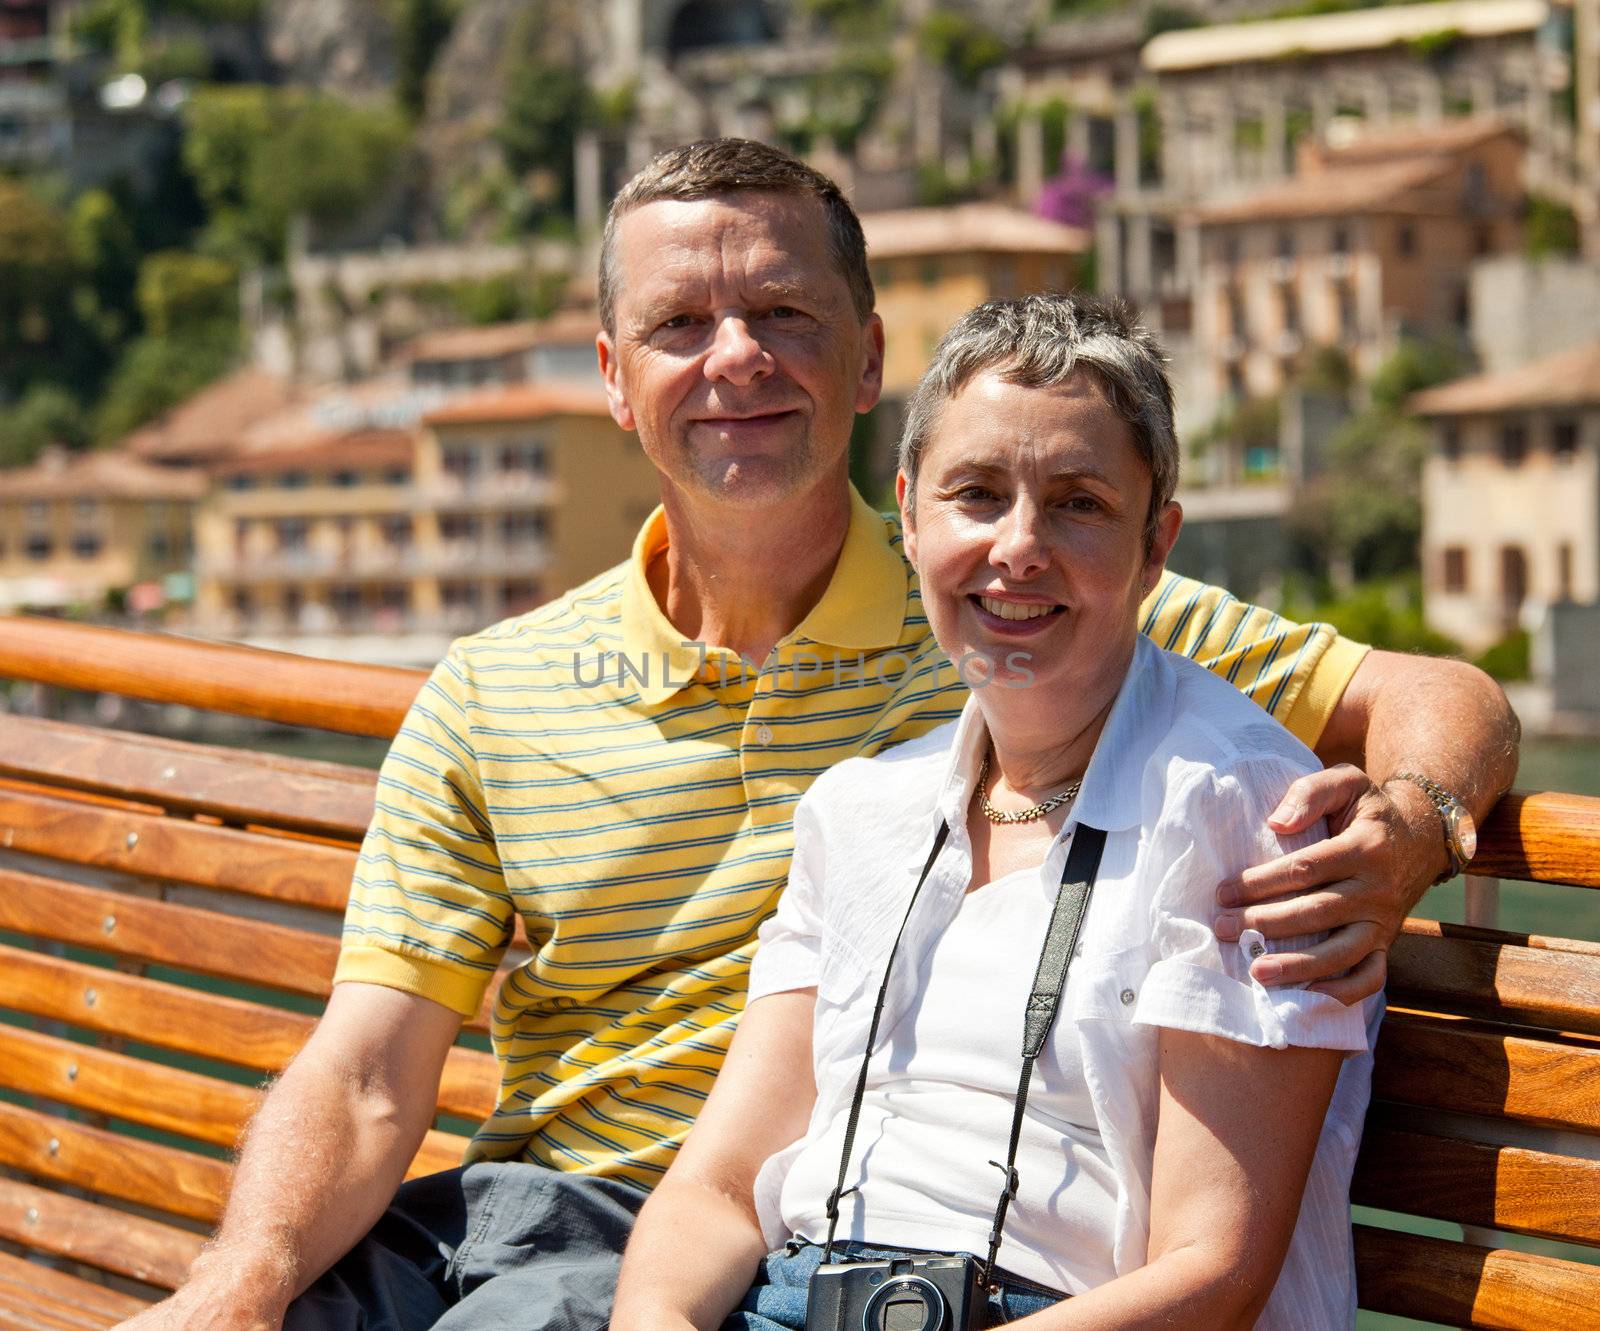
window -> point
(1236, 384)
(1405, 240)
(1513, 581)
(1291, 310)
(1285, 244)
(87, 545)
(291, 533)
(459, 527)
(1564, 571)
(1237, 323)
(240, 481)
(461, 464)
(397, 530)
(1450, 442)
(1230, 248)
(1345, 293)
(1483, 241)
(518, 595)
(243, 603)
(397, 476)
(293, 480)
(87, 510)
(521, 528)
(1564, 441)
(345, 598)
(930, 273)
(1455, 569)
(394, 597)
(1513, 445)
(1340, 243)
(523, 459)
(346, 480)
(38, 546)
(461, 595)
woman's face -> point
(1028, 532)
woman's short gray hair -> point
(1041, 341)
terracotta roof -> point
(101, 475)
(1414, 140)
(357, 450)
(387, 402)
(1339, 191)
(965, 228)
(1224, 44)
(520, 402)
(504, 339)
(209, 425)
(1568, 379)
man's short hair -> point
(1041, 341)
(711, 167)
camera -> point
(904, 1294)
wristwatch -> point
(1460, 832)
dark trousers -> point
(487, 1246)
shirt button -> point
(763, 734)
(1126, 996)
(1253, 944)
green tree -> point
(154, 375)
(960, 45)
(1550, 228)
(421, 27)
(42, 336)
(546, 105)
(105, 249)
(47, 414)
(188, 294)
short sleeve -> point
(1198, 982)
(429, 912)
(1296, 672)
(789, 951)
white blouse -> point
(1182, 780)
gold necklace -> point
(1028, 815)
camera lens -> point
(906, 1303)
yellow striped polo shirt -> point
(629, 797)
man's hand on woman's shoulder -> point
(1382, 850)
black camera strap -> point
(1049, 982)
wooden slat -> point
(1499, 981)
(35, 1298)
(1545, 837)
(1504, 937)
(112, 1163)
(177, 850)
(1472, 1183)
(1463, 1068)
(113, 1240)
(198, 940)
(1461, 1285)
(156, 1096)
(217, 677)
(236, 785)
(208, 1025)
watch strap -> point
(1445, 802)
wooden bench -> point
(168, 927)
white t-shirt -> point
(938, 1108)
(1182, 780)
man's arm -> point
(1444, 719)
(321, 1160)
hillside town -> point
(297, 300)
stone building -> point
(1511, 496)
(78, 530)
(383, 544)
(1368, 242)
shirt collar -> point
(1110, 796)
(863, 607)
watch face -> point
(1463, 832)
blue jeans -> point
(777, 1300)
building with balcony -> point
(931, 265)
(1511, 496)
(559, 349)
(81, 530)
(384, 544)
(1372, 239)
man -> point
(628, 793)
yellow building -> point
(931, 265)
(385, 544)
(1369, 241)
(76, 529)
(1511, 496)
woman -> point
(1185, 1145)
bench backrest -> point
(168, 928)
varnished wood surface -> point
(190, 1021)
(233, 785)
(1543, 837)
(1497, 980)
(1473, 1183)
(100, 1236)
(35, 1298)
(1466, 1286)
(177, 850)
(1464, 1068)
(216, 677)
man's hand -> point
(1385, 846)
(197, 1307)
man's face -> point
(738, 355)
